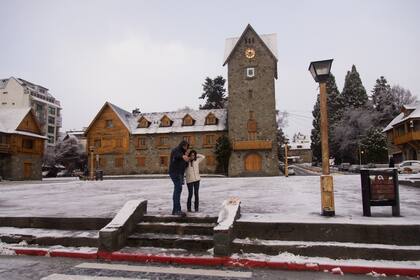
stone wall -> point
(13, 167)
(255, 94)
(152, 154)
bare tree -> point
(402, 96)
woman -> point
(193, 178)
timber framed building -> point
(21, 145)
(130, 143)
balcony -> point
(58, 121)
(407, 137)
(4, 148)
(252, 145)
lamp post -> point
(92, 162)
(320, 71)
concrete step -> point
(64, 223)
(334, 250)
(49, 237)
(162, 240)
(176, 228)
(404, 235)
(190, 218)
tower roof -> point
(268, 40)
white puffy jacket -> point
(192, 173)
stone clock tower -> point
(252, 126)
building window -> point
(141, 143)
(102, 162)
(119, 162)
(28, 144)
(39, 107)
(51, 120)
(163, 161)
(5, 92)
(51, 139)
(109, 124)
(250, 72)
(187, 121)
(209, 139)
(211, 119)
(165, 121)
(141, 161)
(51, 129)
(143, 123)
(118, 143)
(4, 103)
(97, 143)
(163, 141)
(51, 110)
(210, 161)
(189, 139)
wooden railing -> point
(407, 137)
(4, 148)
(252, 145)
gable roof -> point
(123, 115)
(11, 118)
(268, 40)
(415, 113)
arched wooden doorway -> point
(253, 162)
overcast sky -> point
(155, 54)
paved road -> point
(45, 268)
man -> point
(177, 165)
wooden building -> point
(21, 145)
(403, 134)
(129, 143)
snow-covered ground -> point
(293, 199)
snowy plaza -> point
(264, 198)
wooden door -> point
(253, 163)
(27, 170)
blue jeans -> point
(177, 180)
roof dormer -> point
(165, 121)
(187, 120)
(143, 123)
(211, 119)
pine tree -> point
(374, 147)
(223, 150)
(214, 93)
(354, 93)
(334, 114)
(384, 102)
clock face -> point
(250, 53)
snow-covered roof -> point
(10, 119)
(414, 109)
(270, 40)
(300, 146)
(199, 116)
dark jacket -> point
(177, 164)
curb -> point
(220, 261)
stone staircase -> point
(193, 233)
(336, 241)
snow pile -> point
(292, 258)
(228, 214)
(375, 274)
(5, 249)
(337, 270)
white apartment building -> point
(18, 93)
